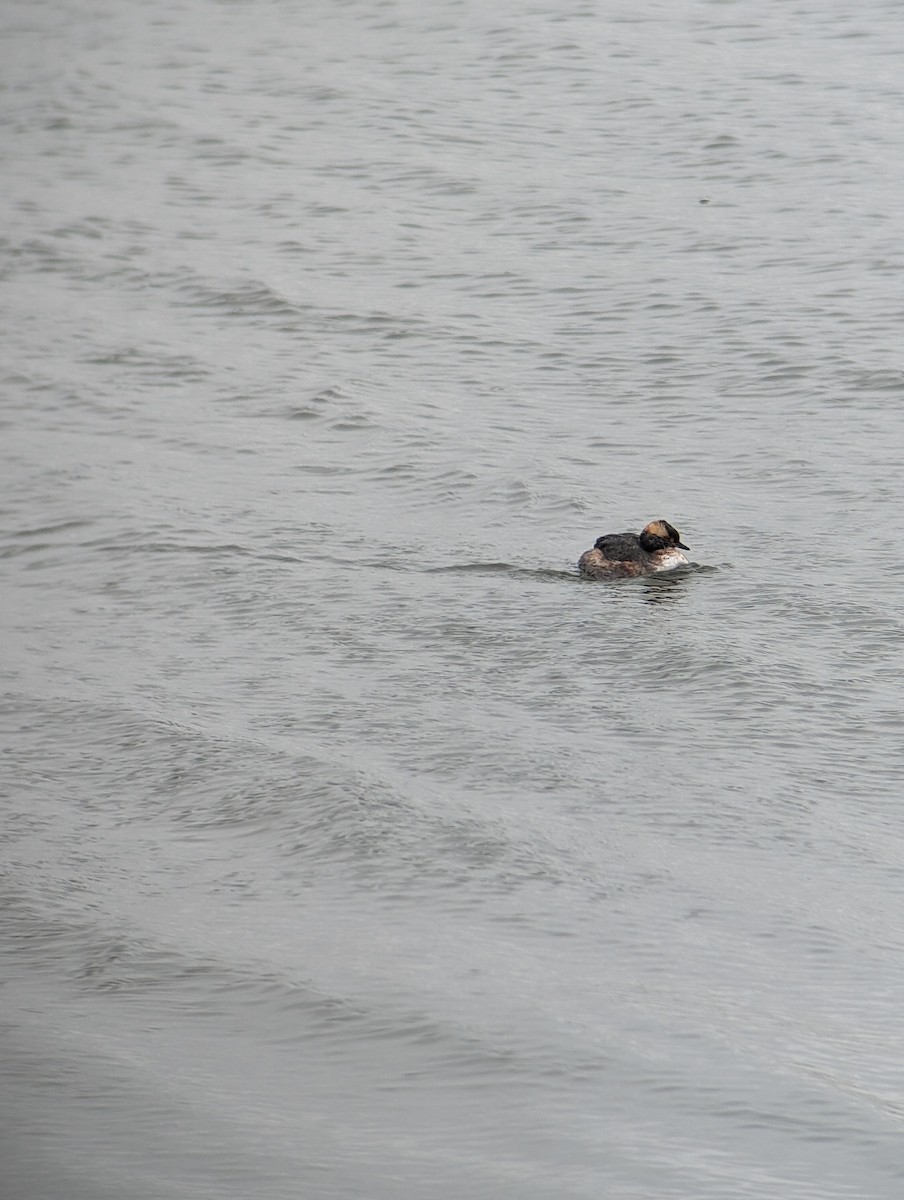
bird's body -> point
(624, 555)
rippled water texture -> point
(353, 847)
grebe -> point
(657, 547)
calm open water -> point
(353, 848)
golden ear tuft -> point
(658, 529)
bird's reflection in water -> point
(665, 588)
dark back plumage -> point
(620, 547)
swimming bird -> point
(657, 547)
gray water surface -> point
(353, 847)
